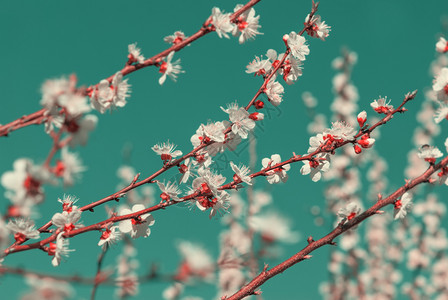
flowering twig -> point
(328, 148)
(250, 288)
(39, 116)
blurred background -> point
(395, 43)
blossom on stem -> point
(210, 132)
(278, 174)
(23, 229)
(273, 227)
(67, 219)
(274, 91)
(108, 96)
(59, 249)
(315, 168)
(403, 206)
(362, 118)
(134, 54)
(440, 85)
(340, 131)
(441, 113)
(79, 130)
(381, 107)
(366, 141)
(166, 151)
(69, 167)
(138, 226)
(442, 45)
(185, 170)
(291, 69)
(246, 24)
(297, 44)
(429, 153)
(169, 68)
(259, 66)
(221, 22)
(241, 173)
(109, 236)
(349, 212)
(175, 38)
(196, 261)
(241, 123)
(170, 191)
(74, 104)
(317, 28)
(67, 203)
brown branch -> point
(39, 117)
(303, 254)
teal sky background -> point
(395, 42)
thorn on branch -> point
(91, 209)
(256, 293)
(265, 268)
(332, 243)
(307, 257)
(135, 179)
(310, 239)
(379, 197)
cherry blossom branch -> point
(265, 275)
(39, 116)
(134, 184)
(324, 148)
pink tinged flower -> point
(340, 131)
(134, 54)
(166, 151)
(246, 24)
(110, 96)
(79, 130)
(23, 229)
(256, 116)
(210, 132)
(74, 104)
(170, 191)
(297, 44)
(196, 261)
(440, 85)
(138, 226)
(273, 227)
(66, 220)
(52, 89)
(429, 153)
(241, 173)
(318, 28)
(59, 250)
(68, 202)
(291, 69)
(221, 22)
(349, 212)
(314, 168)
(274, 91)
(202, 159)
(175, 38)
(241, 123)
(109, 236)
(381, 107)
(258, 66)
(403, 206)
(185, 170)
(366, 141)
(441, 113)
(278, 174)
(69, 167)
(362, 118)
(169, 68)
(442, 45)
